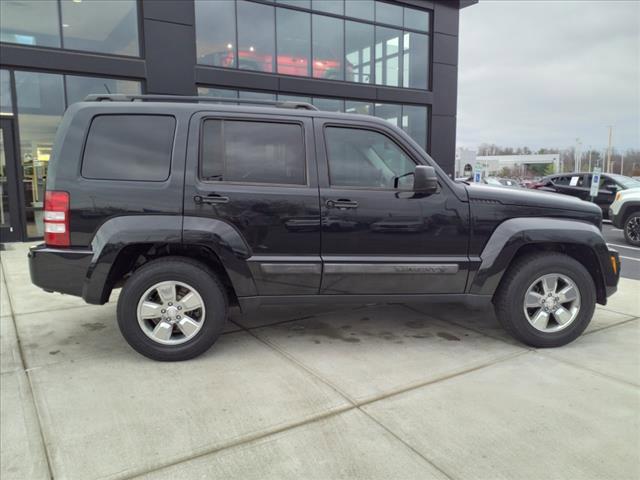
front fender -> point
(515, 233)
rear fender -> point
(120, 232)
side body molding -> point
(515, 233)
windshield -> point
(626, 182)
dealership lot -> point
(374, 391)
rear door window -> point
(129, 147)
(252, 152)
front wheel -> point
(546, 299)
(632, 229)
(172, 309)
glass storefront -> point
(361, 41)
(102, 26)
(41, 99)
(413, 119)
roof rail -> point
(120, 97)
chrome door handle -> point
(210, 199)
(341, 203)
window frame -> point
(119, 114)
(299, 123)
(371, 128)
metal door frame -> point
(16, 232)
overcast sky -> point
(543, 73)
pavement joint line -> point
(406, 444)
(250, 438)
(607, 327)
(604, 307)
(353, 405)
(47, 453)
(587, 369)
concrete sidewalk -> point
(380, 391)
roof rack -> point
(119, 97)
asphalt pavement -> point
(629, 256)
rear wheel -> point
(632, 229)
(171, 309)
(546, 299)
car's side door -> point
(378, 235)
(606, 193)
(574, 185)
(256, 173)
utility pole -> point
(622, 164)
(609, 150)
(577, 164)
(590, 158)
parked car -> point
(625, 214)
(192, 207)
(579, 185)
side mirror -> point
(425, 180)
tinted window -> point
(359, 52)
(294, 42)
(216, 32)
(330, 6)
(328, 43)
(256, 36)
(359, 9)
(387, 71)
(363, 158)
(387, 13)
(416, 19)
(252, 152)
(415, 50)
(100, 26)
(129, 147)
(29, 23)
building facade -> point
(393, 59)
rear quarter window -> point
(129, 147)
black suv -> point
(191, 207)
(579, 185)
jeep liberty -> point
(190, 206)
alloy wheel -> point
(171, 312)
(552, 303)
(633, 229)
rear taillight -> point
(56, 219)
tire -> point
(176, 340)
(528, 274)
(631, 229)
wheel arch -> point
(627, 209)
(123, 244)
(518, 237)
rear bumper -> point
(61, 270)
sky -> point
(544, 73)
